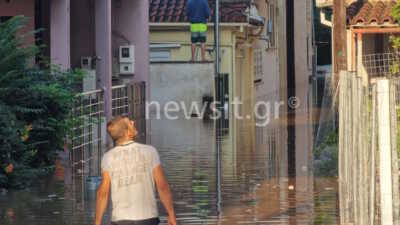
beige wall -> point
(236, 60)
(181, 36)
(273, 87)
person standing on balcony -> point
(198, 12)
(132, 171)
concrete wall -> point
(130, 26)
(60, 33)
(21, 7)
(230, 56)
(303, 72)
(186, 82)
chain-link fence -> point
(381, 64)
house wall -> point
(303, 70)
(21, 7)
(269, 86)
(181, 36)
(130, 26)
(244, 90)
(236, 60)
(83, 42)
(273, 87)
(60, 33)
(195, 80)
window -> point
(160, 55)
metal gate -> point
(87, 138)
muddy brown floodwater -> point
(251, 189)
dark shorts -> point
(152, 221)
(199, 37)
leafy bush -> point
(395, 40)
(326, 156)
(34, 108)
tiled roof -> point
(370, 13)
(173, 11)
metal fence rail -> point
(396, 86)
(86, 135)
(380, 65)
(120, 104)
(87, 138)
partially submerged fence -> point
(87, 140)
(368, 158)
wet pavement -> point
(251, 190)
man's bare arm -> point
(102, 195)
(164, 192)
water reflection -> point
(254, 186)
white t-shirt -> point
(132, 184)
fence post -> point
(395, 165)
(343, 188)
(384, 140)
(372, 190)
(130, 90)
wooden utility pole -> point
(339, 38)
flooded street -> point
(251, 191)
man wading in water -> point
(132, 171)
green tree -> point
(395, 40)
(34, 107)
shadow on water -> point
(251, 189)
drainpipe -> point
(216, 27)
(218, 143)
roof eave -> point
(186, 24)
(365, 26)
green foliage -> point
(35, 104)
(326, 156)
(395, 40)
(396, 11)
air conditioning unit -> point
(86, 62)
(127, 59)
